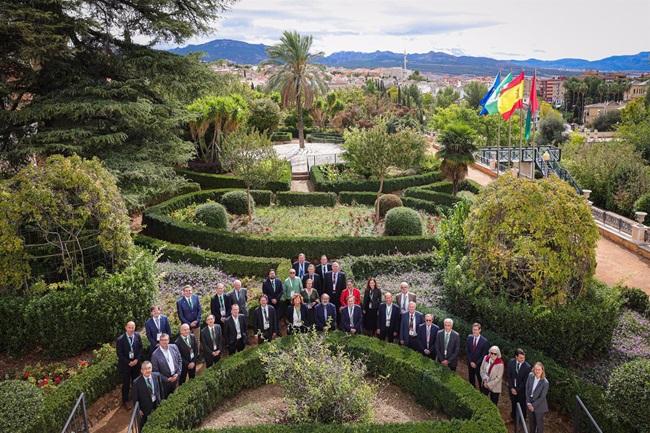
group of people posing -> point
(319, 297)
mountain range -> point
(433, 61)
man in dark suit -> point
(517, 373)
(334, 284)
(220, 305)
(448, 345)
(211, 342)
(272, 288)
(300, 266)
(388, 319)
(404, 297)
(325, 314)
(189, 310)
(236, 337)
(427, 337)
(129, 357)
(477, 349)
(314, 277)
(157, 324)
(323, 268)
(239, 296)
(189, 350)
(408, 334)
(167, 361)
(266, 321)
(351, 317)
(148, 391)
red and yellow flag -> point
(512, 97)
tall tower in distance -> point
(404, 67)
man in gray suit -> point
(448, 345)
(167, 361)
(239, 296)
(536, 391)
(404, 297)
(211, 342)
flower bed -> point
(216, 181)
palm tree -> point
(297, 80)
(456, 147)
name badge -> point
(191, 354)
(153, 397)
(387, 323)
(131, 355)
(412, 333)
(266, 325)
(297, 323)
(238, 335)
(158, 336)
(214, 347)
(223, 313)
(445, 352)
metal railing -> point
(136, 420)
(582, 423)
(613, 221)
(312, 160)
(520, 422)
(516, 154)
(78, 420)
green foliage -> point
(613, 171)
(456, 151)
(635, 299)
(320, 137)
(643, 204)
(387, 202)
(452, 243)
(21, 402)
(403, 221)
(532, 240)
(320, 384)
(363, 267)
(322, 183)
(446, 97)
(635, 126)
(607, 121)
(231, 264)
(358, 197)
(281, 136)
(73, 209)
(212, 215)
(474, 92)
(290, 198)
(433, 387)
(237, 202)
(628, 387)
(220, 181)
(439, 198)
(551, 132)
(264, 115)
(447, 187)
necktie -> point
(517, 369)
(273, 284)
(189, 301)
(187, 340)
(410, 322)
(131, 341)
(446, 340)
(325, 312)
(334, 280)
(264, 314)
(475, 344)
(403, 302)
(350, 313)
(237, 295)
(149, 385)
(157, 320)
(223, 304)
(428, 335)
(212, 334)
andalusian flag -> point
(512, 97)
(491, 106)
(533, 106)
(486, 97)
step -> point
(303, 175)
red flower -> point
(26, 375)
(57, 380)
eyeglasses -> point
(429, 320)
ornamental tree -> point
(456, 151)
(532, 240)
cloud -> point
(431, 27)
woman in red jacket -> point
(350, 290)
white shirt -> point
(236, 319)
(412, 319)
(389, 311)
(170, 361)
(265, 316)
(535, 383)
(405, 302)
(297, 321)
(153, 386)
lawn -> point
(299, 221)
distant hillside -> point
(437, 62)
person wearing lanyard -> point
(297, 315)
(189, 349)
(325, 314)
(236, 336)
(148, 391)
(351, 320)
(156, 325)
(220, 305)
(427, 336)
(291, 286)
(448, 345)
(167, 361)
(408, 335)
(301, 266)
(211, 341)
(536, 391)
(266, 321)
(129, 357)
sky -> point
(502, 29)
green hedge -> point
(232, 264)
(364, 267)
(219, 181)
(158, 224)
(281, 136)
(291, 198)
(391, 184)
(432, 385)
(447, 187)
(66, 321)
(439, 198)
(321, 137)
(359, 197)
(425, 205)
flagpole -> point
(521, 139)
(498, 145)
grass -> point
(302, 221)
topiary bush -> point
(403, 221)
(642, 204)
(629, 391)
(532, 240)
(387, 202)
(21, 402)
(212, 214)
(235, 202)
(635, 299)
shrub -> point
(281, 136)
(363, 267)
(643, 205)
(403, 221)
(447, 187)
(532, 240)
(235, 202)
(358, 197)
(388, 202)
(21, 404)
(212, 214)
(439, 198)
(291, 198)
(334, 392)
(220, 181)
(629, 389)
(321, 137)
(425, 205)
(635, 299)
(322, 183)
(264, 115)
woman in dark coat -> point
(371, 302)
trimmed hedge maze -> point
(432, 385)
(321, 183)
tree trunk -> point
(248, 204)
(381, 187)
(301, 122)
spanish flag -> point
(512, 97)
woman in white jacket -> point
(492, 369)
